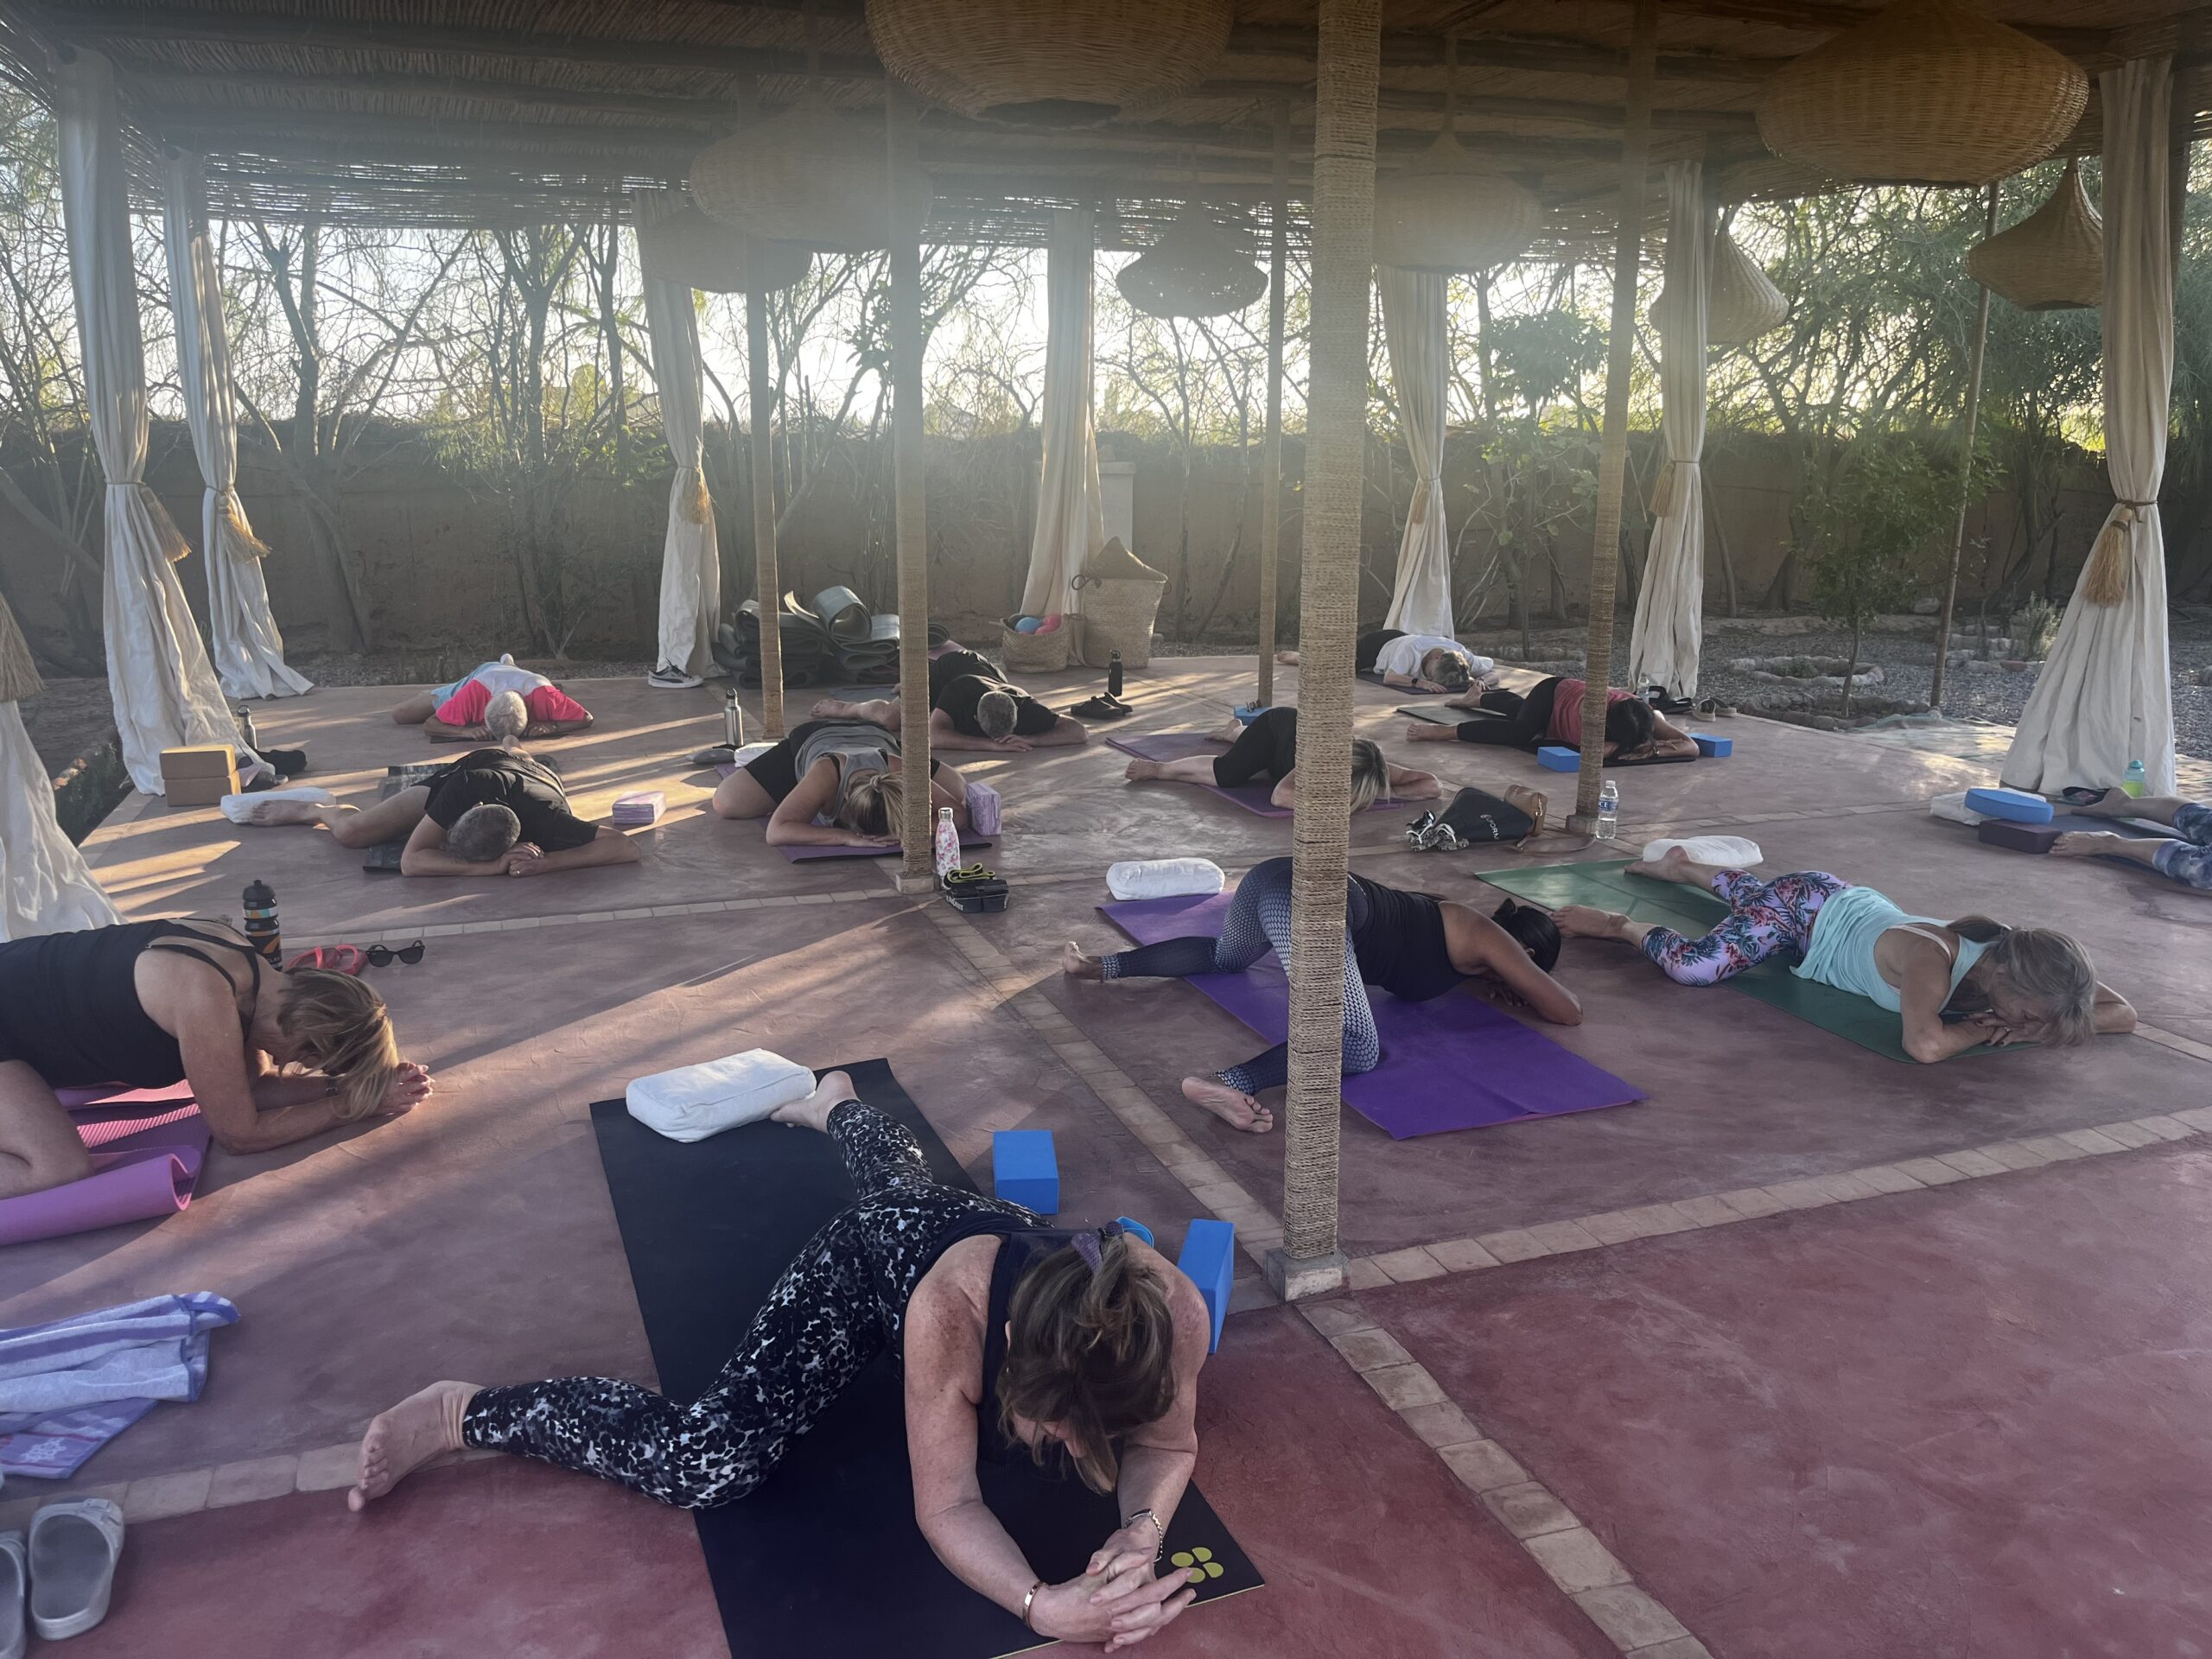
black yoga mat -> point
(824, 1559)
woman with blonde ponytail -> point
(834, 782)
(271, 1057)
(1015, 1339)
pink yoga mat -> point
(144, 1167)
(1180, 745)
(1454, 1063)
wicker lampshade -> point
(2052, 260)
(1193, 270)
(689, 246)
(1741, 302)
(1922, 92)
(1046, 62)
(19, 676)
(1446, 212)
(806, 175)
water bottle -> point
(2136, 778)
(260, 929)
(245, 729)
(1113, 674)
(948, 844)
(1609, 810)
(733, 722)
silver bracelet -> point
(1029, 1601)
(1161, 1548)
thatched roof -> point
(491, 111)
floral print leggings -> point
(841, 1302)
(1764, 919)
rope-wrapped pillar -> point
(759, 401)
(1271, 459)
(1965, 471)
(1346, 72)
(910, 484)
(1612, 454)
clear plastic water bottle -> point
(948, 844)
(1609, 810)
(2137, 778)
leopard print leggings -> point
(841, 1302)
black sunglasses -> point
(383, 956)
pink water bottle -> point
(948, 844)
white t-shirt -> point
(1403, 656)
(495, 678)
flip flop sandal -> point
(73, 1547)
(1101, 708)
(332, 958)
(14, 1593)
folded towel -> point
(1164, 878)
(151, 1349)
(1954, 807)
(1729, 852)
(693, 1101)
(983, 809)
(238, 809)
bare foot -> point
(420, 1427)
(1673, 865)
(1237, 1109)
(830, 708)
(1428, 731)
(813, 1113)
(287, 813)
(1289, 657)
(1139, 772)
(2086, 843)
(1228, 733)
(1076, 965)
(1587, 922)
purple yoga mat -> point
(1180, 745)
(808, 855)
(1454, 1063)
(141, 1175)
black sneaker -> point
(671, 678)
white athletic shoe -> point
(672, 679)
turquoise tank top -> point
(1841, 950)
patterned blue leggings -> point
(1764, 919)
(2188, 859)
(1258, 922)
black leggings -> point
(1528, 722)
(1266, 748)
(841, 1302)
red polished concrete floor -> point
(1964, 1421)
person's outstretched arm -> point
(1407, 784)
(425, 854)
(944, 734)
(2113, 1013)
(438, 731)
(609, 846)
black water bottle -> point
(245, 729)
(261, 930)
(1113, 674)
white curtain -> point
(165, 691)
(1071, 511)
(2106, 696)
(1663, 647)
(249, 652)
(691, 559)
(45, 886)
(1420, 372)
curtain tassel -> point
(695, 503)
(242, 542)
(167, 536)
(2107, 579)
(1663, 493)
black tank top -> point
(69, 1005)
(1400, 943)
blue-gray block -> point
(1209, 1261)
(1553, 757)
(1024, 1170)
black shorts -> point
(1369, 646)
(1266, 749)
(777, 771)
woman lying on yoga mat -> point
(153, 1004)
(1010, 1334)
(454, 713)
(1552, 712)
(1268, 749)
(1996, 984)
(1422, 662)
(834, 782)
(2185, 857)
(1413, 945)
(973, 707)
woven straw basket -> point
(1049, 62)
(806, 175)
(1922, 92)
(2052, 260)
(1120, 599)
(1444, 213)
(1038, 653)
(1193, 270)
(1741, 300)
(689, 246)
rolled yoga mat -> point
(147, 1150)
(1453, 1063)
(1604, 885)
(825, 1557)
(1180, 745)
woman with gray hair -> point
(1953, 985)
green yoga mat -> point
(1607, 886)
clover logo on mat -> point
(1198, 1565)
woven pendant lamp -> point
(1922, 92)
(1741, 302)
(1193, 270)
(2052, 260)
(1447, 213)
(1048, 63)
(805, 176)
(690, 247)
(19, 676)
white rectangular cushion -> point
(693, 1101)
(1163, 877)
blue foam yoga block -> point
(1209, 1261)
(1711, 747)
(1131, 1225)
(1024, 1170)
(2012, 803)
(1553, 757)
(1248, 712)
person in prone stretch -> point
(1412, 945)
(1954, 985)
(2186, 856)
(454, 713)
(1421, 662)
(1268, 748)
(152, 1004)
(834, 782)
(972, 707)
(494, 811)
(1552, 712)
(1009, 1335)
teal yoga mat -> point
(1606, 885)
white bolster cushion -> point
(1727, 852)
(1164, 878)
(693, 1101)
